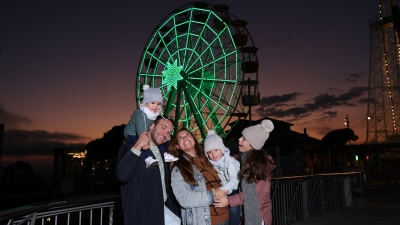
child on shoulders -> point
(142, 119)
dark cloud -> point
(279, 113)
(302, 123)
(354, 92)
(279, 99)
(44, 135)
(326, 116)
(330, 114)
(354, 76)
(363, 101)
(319, 103)
(37, 148)
(39, 142)
(327, 101)
(13, 120)
(283, 105)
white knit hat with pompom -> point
(213, 141)
(151, 95)
(258, 134)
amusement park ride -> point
(204, 61)
(383, 115)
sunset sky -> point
(68, 68)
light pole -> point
(347, 123)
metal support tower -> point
(383, 94)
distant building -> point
(75, 175)
(68, 164)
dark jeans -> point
(226, 222)
(234, 212)
(144, 153)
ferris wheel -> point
(203, 60)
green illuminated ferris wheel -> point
(204, 61)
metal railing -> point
(294, 199)
(85, 210)
(298, 198)
(381, 181)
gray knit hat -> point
(258, 134)
(151, 95)
(213, 141)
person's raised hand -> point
(143, 141)
(220, 203)
(219, 194)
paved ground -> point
(364, 212)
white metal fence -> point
(294, 199)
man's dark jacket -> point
(141, 190)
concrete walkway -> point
(365, 211)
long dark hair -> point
(186, 166)
(257, 166)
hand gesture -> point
(219, 194)
(221, 203)
(143, 141)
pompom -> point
(145, 87)
(210, 132)
(267, 125)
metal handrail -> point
(294, 199)
(69, 208)
(298, 198)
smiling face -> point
(154, 107)
(160, 133)
(186, 142)
(244, 145)
(215, 154)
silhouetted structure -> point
(383, 112)
(1, 143)
(68, 164)
(75, 175)
(339, 137)
(90, 170)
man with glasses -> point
(147, 196)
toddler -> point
(142, 119)
(227, 168)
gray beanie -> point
(151, 95)
(213, 141)
(258, 134)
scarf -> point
(149, 114)
(250, 200)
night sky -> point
(68, 68)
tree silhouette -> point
(19, 177)
(108, 145)
(339, 137)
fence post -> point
(348, 194)
(305, 199)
